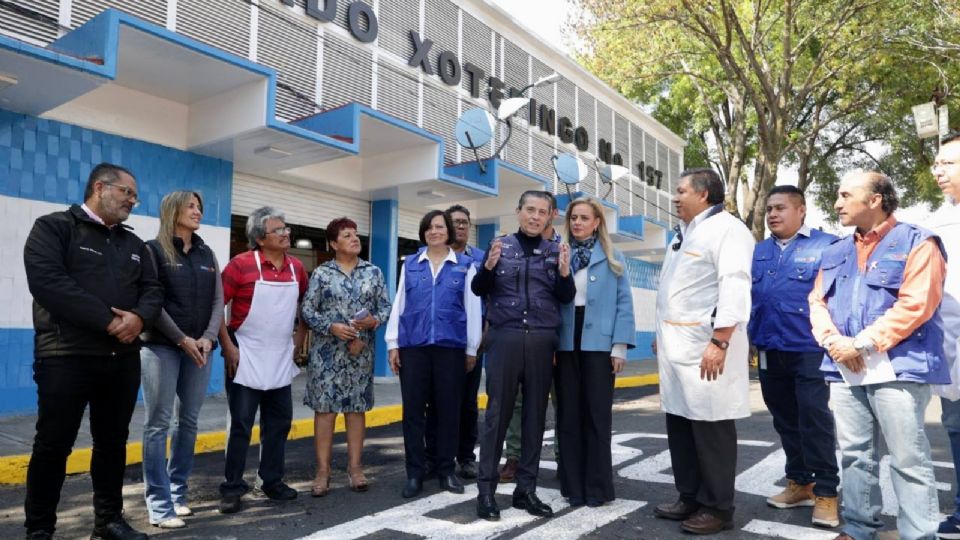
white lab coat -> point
(710, 270)
(946, 224)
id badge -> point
(763, 359)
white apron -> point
(265, 337)
(718, 248)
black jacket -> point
(77, 269)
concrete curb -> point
(13, 469)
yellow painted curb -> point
(13, 469)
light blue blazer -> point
(608, 314)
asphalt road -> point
(642, 479)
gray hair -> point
(257, 223)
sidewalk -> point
(16, 432)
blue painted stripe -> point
(18, 392)
(643, 350)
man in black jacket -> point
(94, 289)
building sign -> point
(363, 25)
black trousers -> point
(469, 414)
(515, 359)
(584, 388)
(431, 375)
(65, 386)
(704, 460)
(276, 415)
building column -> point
(384, 232)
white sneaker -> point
(172, 523)
(182, 510)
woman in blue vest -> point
(175, 361)
(598, 328)
(432, 338)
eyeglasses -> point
(129, 193)
(280, 231)
(461, 223)
(942, 165)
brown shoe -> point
(793, 495)
(677, 511)
(508, 472)
(843, 536)
(825, 512)
(704, 522)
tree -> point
(772, 82)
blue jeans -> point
(951, 422)
(894, 409)
(798, 399)
(168, 376)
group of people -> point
(852, 337)
(113, 314)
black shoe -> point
(230, 504)
(487, 508)
(117, 530)
(594, 503)
(576, 501)
(532, 504)
(468, 470)
(39, 535)
(412, 488)
(281, 492)
(450, 482)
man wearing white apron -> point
(946, 223)
(703, 306)
(263, 287)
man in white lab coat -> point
(703, 306)
(946, 223)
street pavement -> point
(642, 479)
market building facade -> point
(320, 108)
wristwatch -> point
(720, 343)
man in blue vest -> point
(875, 309)
(784, 266)
(523, 279)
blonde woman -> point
(590, 355)
(175, 359)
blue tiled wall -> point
(46, 160)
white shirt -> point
(471, 303)
(804, 231)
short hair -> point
(539, 194)
(336, 225)
(792, 191)
(883, 186)
(705, 179)
(257, 224)
(457, 208)
(447, 222)
(950, 137)
(107, 173)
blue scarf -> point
(581, 252)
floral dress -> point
(336, 381)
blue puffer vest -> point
(856, 300)
(189, 284)
(782, 281)
(523, 294)
(433, 311)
